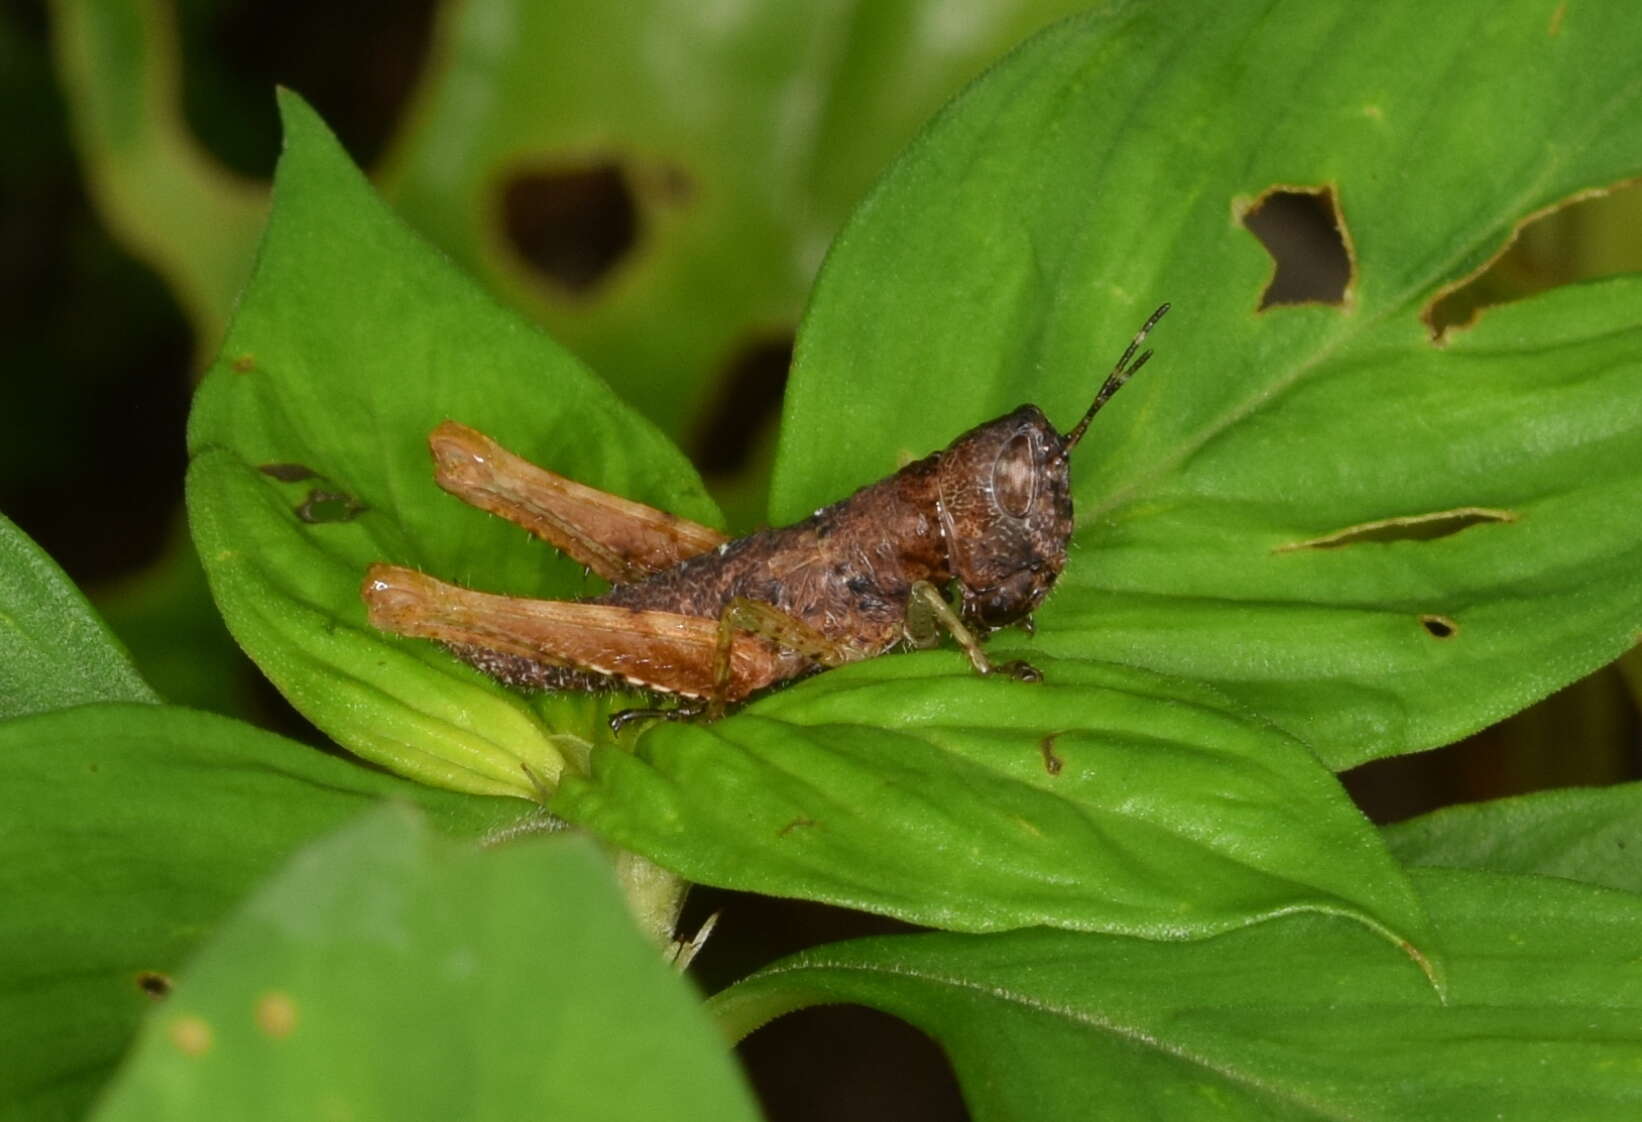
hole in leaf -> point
(288, 473)
(154, 984)
(1439, 627)
(572, 225)
(1595, 234)
(1412, 527)
(749, 398)
(1303, 230)
(329, 506)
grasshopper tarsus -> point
(1020, 670)
(686, 711)
(689, 613)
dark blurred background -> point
(100, 359)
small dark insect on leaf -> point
(694, 614)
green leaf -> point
(1301, 1018)
(1103, 799)
(382, 976)
(353, 340)
(1100, 171)
(1587, 834)
(54, 650)
(127, 832)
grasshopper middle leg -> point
(768, 622)
(752, 617)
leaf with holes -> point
(127, 832)
(1301, 1018)
(383, 975)
(1103, 799)
(654, 181)
(1379, 542)
(55, 652)
(309, 462)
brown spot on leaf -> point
(1051, 762)
(154, 984)
(801, 820)
(276, 1014)
(665, 183)
(1305, 233)
(190, 1035)
(243, 364)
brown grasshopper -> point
(692, 613)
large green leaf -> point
(382, 976)
(1104, 799)
(54, 650)
(1099, 171)
(1591, 834)
(353, 340)
(1301, 1018)
(127, 833)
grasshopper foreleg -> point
(928, 612)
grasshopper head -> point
(1006, 507)
(1006, 502)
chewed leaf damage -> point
(1410, 527)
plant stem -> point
(654, 896)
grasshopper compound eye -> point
(1015, 475)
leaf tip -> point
(1431, 967)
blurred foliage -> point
(656, 182)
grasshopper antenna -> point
(1121, 373)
